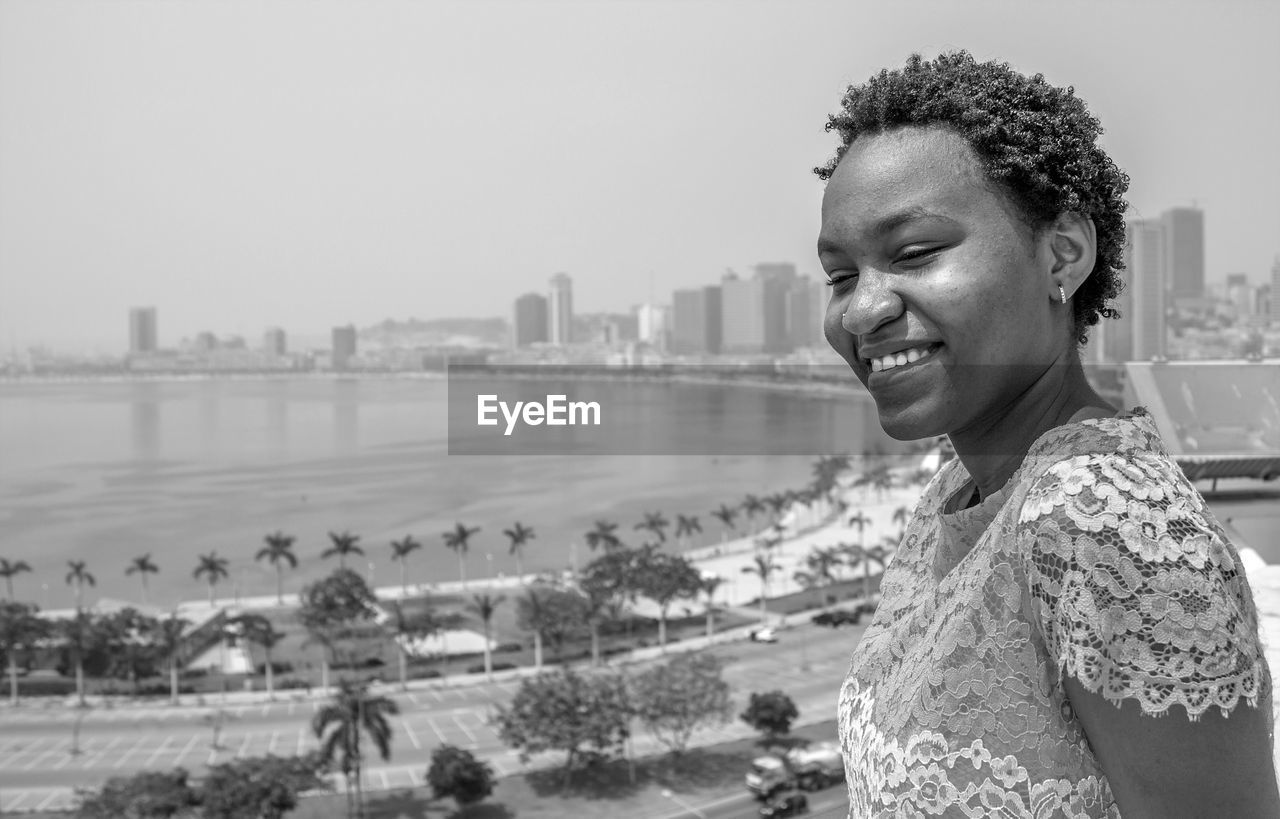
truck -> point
(812, 768)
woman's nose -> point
(872, 303)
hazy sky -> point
(245, 164)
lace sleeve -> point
(1134, 588)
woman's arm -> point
(1170, 767)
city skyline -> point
(357, 163)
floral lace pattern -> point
(1097, 560)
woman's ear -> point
(1073, 242)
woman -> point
(1065, 630)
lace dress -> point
(1098, 559)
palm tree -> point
(78, 577)
(76, 634)
(536, 615)
(340, 724)
(142, 566)
(459, 541)
(485, 605)
(686, 525)
(861, 521)
(405, 627)
(603, 535)
(519, 535)
(752, 505)
(763, 566)
(168, 639)
(343, 544)
(726, 515)
(257, 629)
(214, 568)
(8, 570)
(400, 551)
(857, 554)
(21, 628)
(710, 583)
(901, 516)
(278, 551)
(656, 523)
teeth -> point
(901, 359)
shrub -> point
(479, 667)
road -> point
(39, 767)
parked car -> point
(793, 804)
(837, 618)
(764, 635)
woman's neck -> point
(993, 449)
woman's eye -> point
(917, 254)
(840, 280)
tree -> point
(751, 505)
(456, 774)
(332, 603)
(726, 515)
(78, 577)
(126, 639)
(277, 552)
(856, 554)
(411, 627)
(672, 700)
(603, 536)
(76, 636)
(20, 630)
(344, 543)
(902, 516)
(608, 582)
(340, 725)
(663, 578)
(146, 795)
(566, 711)
(763, 566)
(142, 566)
(771, 713)
(258, 630)
(484, 605)
(400, 551)
(686, 525)
(519, 535)
(709, 585)
(168, 642)
(9, 570)
(551, 614)
(213, 568)
(265, 787)
(459, 540)
(656, 523)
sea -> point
(108, 470)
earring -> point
(845, 313)
(1062, 294)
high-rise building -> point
(1273, 295)
(1144, 259)
(742, 312)
(653, 322)
(1112, 339)
(142, 330)
(560, 310)
(695, 321)
(273, 341)
(1184, 251)
(777, 280)
(805, 309)
(344, 346)
(531, 321)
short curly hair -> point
(1036, 142)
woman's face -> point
(930, 262)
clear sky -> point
(305, 164)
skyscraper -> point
(1184, 251)
(695, 321)
(776, 281)
(142, 330)
(530, 320)
(1274, 294)
(560, 309)
(344, 346)
(742, 311)
(654, 325)
(273, 341)
(1144, 259)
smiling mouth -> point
(905, 360)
